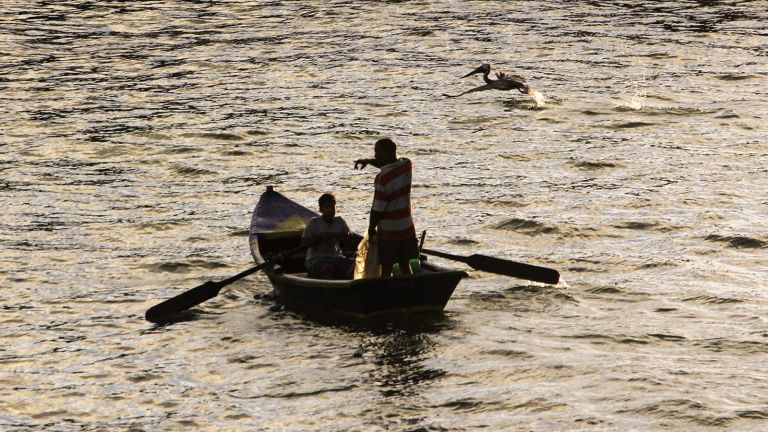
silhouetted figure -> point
(504, 82)
(390, 217)
(322, 236)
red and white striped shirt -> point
(392, 197)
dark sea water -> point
(136, 138)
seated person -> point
(323, 234)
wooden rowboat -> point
(275, 238)
(276, 228)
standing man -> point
(391, 209)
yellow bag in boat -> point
(367, 261)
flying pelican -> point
(504, 82)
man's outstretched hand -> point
(362, 163)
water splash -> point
(538, 98)
(637, 101)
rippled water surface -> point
(136, 137)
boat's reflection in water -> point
(399, 360)
(397, 346)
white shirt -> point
(326, 248)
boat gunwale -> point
(355, 283)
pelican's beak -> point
(478, 70)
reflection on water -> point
(399, 359)
(400, 354)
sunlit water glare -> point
(136, 138)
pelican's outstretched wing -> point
(476, 89)
(505, 76)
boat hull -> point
(368, 298)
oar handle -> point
(274, 260)
(242, 274)
(445, 255)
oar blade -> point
(183, 301)
(513, 269)
(206, 291)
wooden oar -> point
(206, 291)
(502, 266)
